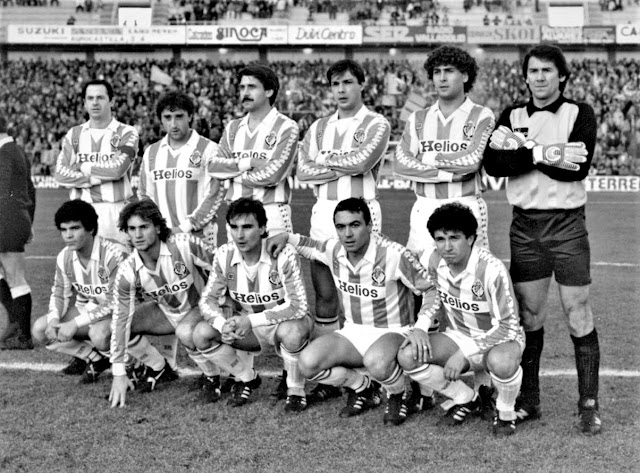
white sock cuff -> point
(516, 375)
(20, 291)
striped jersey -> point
(111, 157)
(479, 302)
(175, 284)
(178, 182)
(379, 290)
(275, 141)
(342, 157)
(536, 186)
(443, 156)
(273, 294)
(90, 287)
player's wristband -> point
(119, 369)
(244, 164)
(186, 227)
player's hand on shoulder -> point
(276, 243)
(561, 155)
(503, 138)
(119, 388)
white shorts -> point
(108, 214)
(467, 344)
(363, 336)
(278, 220)
(322, 226)
(420, 238)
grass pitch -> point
(49, 423)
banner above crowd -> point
(328, 35)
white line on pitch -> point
(52, 367)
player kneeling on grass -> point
(375, 279)
(79, 318)
(268, 306)
(483, 329)
(171, 270)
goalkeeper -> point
(544, 148)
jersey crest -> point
(378, 276)
(115, 140)
(274, 279)
(478, 289)
(103, 275)
(195, 158)
(358, 136)
(180, 268)
(270, 140)
(468, 130)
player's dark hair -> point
(77, 211)
(248, 206)
(148, 211)
(344, 65)
(266, 76)
(98, 82)
(454, 217)
(552, 53)
(354, 205)
(173, 101)
(456, 57)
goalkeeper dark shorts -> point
(15, 229)
(550, 242)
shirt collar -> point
(552, 107)
(113, 125)
(95, 250)
(471, 264)
(192, 142)
(369, 255)
(266, 121)
(465, 107)
(359, 116)
(164, 251)
(264, 254)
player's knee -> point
(292, 335)
(184, 332)
(309, 364)
(406, 360)
(503, 365)
(38, 329)
(203, 335)
(379, 365)
(100, 336)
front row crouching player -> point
(79, 311)
(375, 279)
(172, 271)
(483, 330)
(253, 300)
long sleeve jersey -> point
(443, 156)
(91, 287)
(111, 156)
(479, 302)
(178, 182)
(273, 294)
(537, 186)
(379, 290)
(342, 157)
(274, 140)
(175, 284)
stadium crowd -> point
(43, 98)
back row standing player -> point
(341, 156)
(174, 176)
(97, 157)
(545, 148)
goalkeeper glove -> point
(561, 155)
(505, 139)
